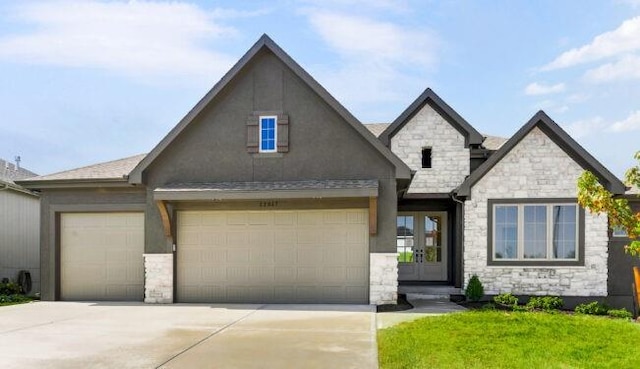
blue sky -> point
(91, 81)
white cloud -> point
(623, 69)
(398, 6)
(361, 37)
(536, 88)
(586, 127)
(137, 38)
(375, 57)
(632, 3)
(623, 39)
(631, 123)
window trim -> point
(275, 133)
(491, 203)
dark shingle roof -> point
(108, 170)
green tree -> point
(595, 198)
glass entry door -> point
(422, 246)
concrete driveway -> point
(135, 335)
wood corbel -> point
(373, 216)
(166, 219)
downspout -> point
(461, 220)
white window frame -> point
(520, 243)
(275, 133)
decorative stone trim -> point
(158, 278)
(383, 278)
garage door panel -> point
(101, 256)
(306, 256)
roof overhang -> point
(219, 191)
(4, 186)
(471, 136)
(74, 183)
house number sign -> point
(268, 204)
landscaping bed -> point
(402, 305)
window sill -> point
(267, 155)
(537, 264)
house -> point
(19, 228)
(269, 190)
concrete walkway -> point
(421, 309)
(135, 335)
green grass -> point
(498, 339)
(405, 257)
(6, 300)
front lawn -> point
(498, 339)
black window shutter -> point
(283, 133)
(252, 133)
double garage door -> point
(302, 256)
(297, 256)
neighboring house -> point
(269, 190)
(19, 226)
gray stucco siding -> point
(54, 202)
(321, 146)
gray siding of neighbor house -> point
(54, 202)
(620, 269)
(19, 236)
(321, 146)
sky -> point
(83, 82)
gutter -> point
(10, 186)
(75, 183)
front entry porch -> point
(429, 245)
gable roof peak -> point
(561, 138)
(402, 170)
(428, 96)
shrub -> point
(10, 288)
(475, 290)
(592, 308)
(506, 299)
(13, 298)
(620, 313)
(546, 303)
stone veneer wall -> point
(383, 278)
(158, 278)
(450, 162)
(535, 168)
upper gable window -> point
(426, 157)
(268, 133)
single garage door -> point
(101, 256)
(305, 256)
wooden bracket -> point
(166, 219)
(373, 215)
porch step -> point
(428, 292)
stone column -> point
(383, 278)
(158, 278)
